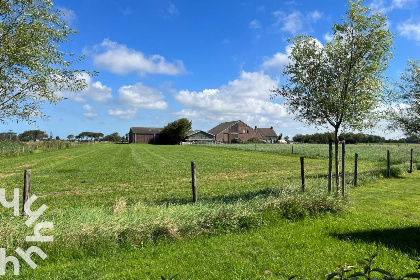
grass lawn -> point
(101, 197)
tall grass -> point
(129, 195)
(118, 198)
(17, 148)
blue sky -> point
(208, 61)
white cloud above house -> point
(246, 98)
(124, 114)
(141, 96)
(119, 59)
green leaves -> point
(406, 117)
(175, 131)
(32, 66)
(340, 84)
(366, 266)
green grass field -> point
(124, 212)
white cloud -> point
(90, 114)
(87, 107)
(170, 11)
(294, 22)
(95, 91)
(410, 30)
(276, 63)
(125, 114)
(387, 6)
(120, 59)
(69, 16)
(246, 98)
(315, 15)
(328, 37)
(291, 23)
(140, 96)
(255, 24)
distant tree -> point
(350, 138)
(407, 115)
(341, 83)
(70, 136)
(175, 132)
(8, 136)
(32, 65)
(286, 138)
(91, 135)
(32, 135)
(114, 137)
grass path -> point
(384, 218)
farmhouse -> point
(268, 134)
(200, 137)
(144, 134)
(238, 130)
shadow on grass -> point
(406, 240)
(229, 198)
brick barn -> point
(144, 134)
(228, 131)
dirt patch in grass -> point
(26, 165)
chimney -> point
(255, 128)
(271, 127)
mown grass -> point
(124, 212)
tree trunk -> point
(337, 172)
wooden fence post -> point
(292, 148)
(356, 161)
(302, 172)
(330, 166)
(343, 167)
(26, 189)
(411, 161)
(193, 182)
(388, 159)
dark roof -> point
(146, 130)
(266, 132)
(192, 132)
(219, 128)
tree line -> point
(38, 135)
(350, 138)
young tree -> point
(340, 84)
(175, 132)
(407, 116)
(32, 66)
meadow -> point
(125, 211)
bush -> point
(253, 140)
(395, 171)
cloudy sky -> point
(208, 61)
